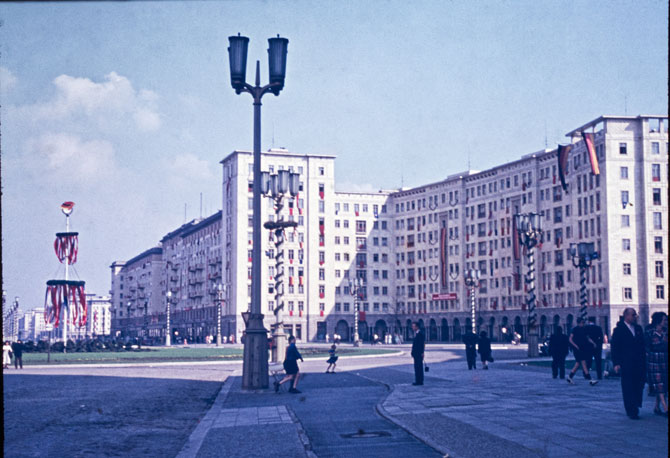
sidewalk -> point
(507, 411)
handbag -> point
(426, 368)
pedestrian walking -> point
(558, 349)
(6, 355)
(291, 367)
(582, 349)
(595, 333)
(418, 349)
(17, 349)
(470, 341)
(484, 349)
(332, 360)
(628, 356)
(656, 343)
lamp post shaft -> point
(472, 308)
(167, 323)
(255, 368)
(533, 349)
(583, 311)
(356, 321)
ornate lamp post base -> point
(533, 340)
(357, 341)
(255, 369)
(279, 348)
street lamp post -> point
(529, 229)
(15, 319)
(220, 295)
(168, 300)
(472, 282)
(583, 254)
(355, 285)
(277, 186)
(255, 366)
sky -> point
(126, 109)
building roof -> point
(602, 118)
(196, 226)
(151, 251)
(278, 152)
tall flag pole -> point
(588, 140)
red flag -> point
(588, 140)
(563, 152)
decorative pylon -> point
(65, 299)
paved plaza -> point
(368, 408)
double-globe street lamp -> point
(255, 366)
(583, 254)
(356, 285)
(472, 282)
(277, 186)
(529, 231)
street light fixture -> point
(529, 231)
(277, 186)
(472, 282)
(255, 366)
(583, 254)
(355, 286)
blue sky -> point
(126, 108)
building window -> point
(659, 269)
(625, 245)
(658, 245)
(322, 171)
(624, 173)
(655, 172)
(625, 199)
(656, 196)
(628, 294)
(655, 148)
(660, 292)
(623, 148)
(360, 227)
(625, 220)
(658, 220)
(626, 268)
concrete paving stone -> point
(271, 440)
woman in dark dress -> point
(656, 343)
(291, 366)
(484, 349)
(582, 347)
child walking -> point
(332, 360)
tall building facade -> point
(411, 247)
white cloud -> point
(113, 99)
(188, 168)
(68, 157)
(7, 80)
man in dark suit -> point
(470, 340)
(558, 349)
(595, 332)
(418, 347)
(628, 357)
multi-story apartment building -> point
(188, 264)
(412, 246)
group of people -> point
(477, 344)
(14, 350)
(638, 357)
(586, 343)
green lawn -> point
(176, 354)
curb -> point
(194, 363)
(195, 440)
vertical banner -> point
(588, 140)
(563, 153)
